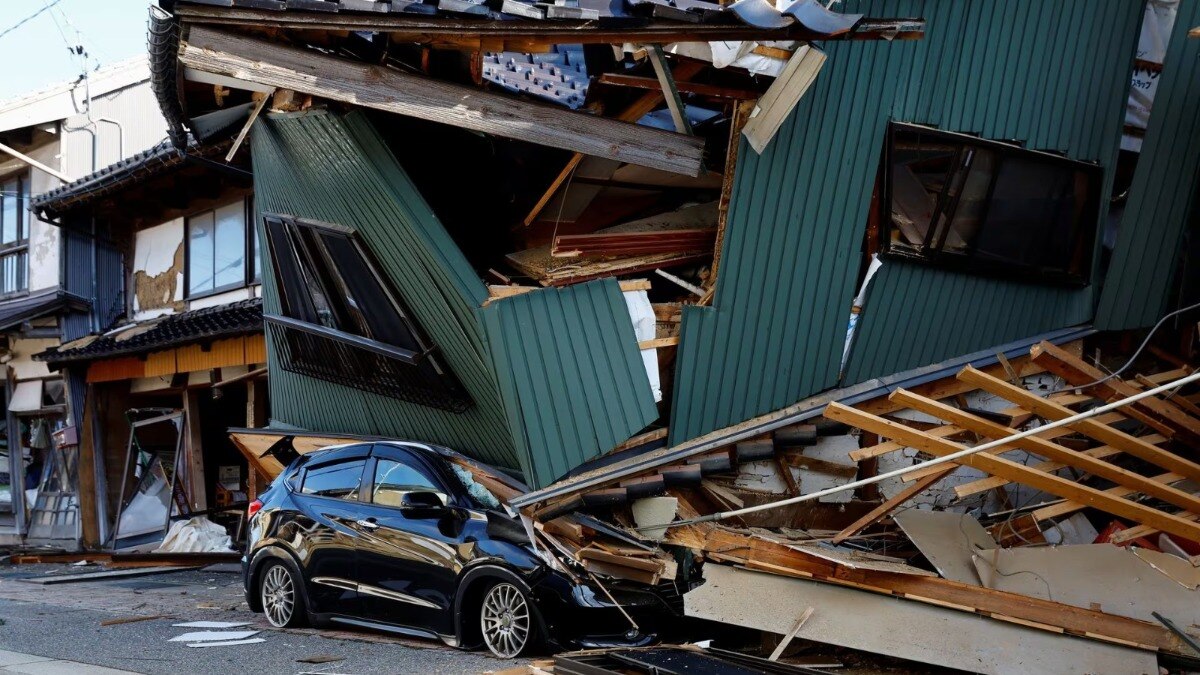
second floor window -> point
(14, 235)
(222, 249)
(986, 207)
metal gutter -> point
(804, 410)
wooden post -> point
(256, 416)
(89, 523)
(193, 446)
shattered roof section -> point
(237, 318)
(809, 14)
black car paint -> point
(420, 575)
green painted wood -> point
(555, 375)
(1145, 260)
(570, 371)
(1052, 74)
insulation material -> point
(196, 535)
(859, 301)
(641, 312)
(733, 55)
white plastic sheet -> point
(197, 535)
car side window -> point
(395, 479)
(339, 481)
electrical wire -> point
(1137, 352)
(29, 18)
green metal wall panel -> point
(1162, 194)
(337, 169)
(571, 373)
(555, 375)
(1052, 74)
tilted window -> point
(342, 322)
(14, 235)
(987, 207)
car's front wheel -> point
(506, 618)
(279, 592)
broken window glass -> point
(989, 207)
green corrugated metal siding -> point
(1053, 74)
(1161, 197)
(337, 169)
(571, 373)
(555, 375)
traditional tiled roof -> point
(237, 318)
(18, 310)
(809, 14)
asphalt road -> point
(63, 621)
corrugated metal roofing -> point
(337, 169)
(1162, 195)
(1054, 75)
(569, 366)
(333, 168)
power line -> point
(29, 18)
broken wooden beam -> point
(378, 87)
(1052, 451)
(998, 466)
(1105, 434)
(633, 243)
(714, 91)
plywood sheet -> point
(905, 629)
(1117, 579)
(948, 541)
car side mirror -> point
(422, 504)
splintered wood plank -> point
(998, 466)
(374, 86)
(1048, 450)
(1052, 411)
(1156, 413)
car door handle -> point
(368, 523)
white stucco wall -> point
(157, 259)
(44, 247)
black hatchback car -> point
(396, 537)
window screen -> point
(988, 207)
(395, 479)
(339, 481)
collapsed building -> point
(672, 261)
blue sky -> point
(35, 55)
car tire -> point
(280, 595)
(507, 621)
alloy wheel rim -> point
(505, 620)
(278, 596)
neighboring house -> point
(49, 137)
(184, 359)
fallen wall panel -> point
(901, 628)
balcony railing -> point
(363, 363)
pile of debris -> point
(1057, 502)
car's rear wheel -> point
(506, 619)
(279, 591)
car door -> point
(329, 500)
(409, 561)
